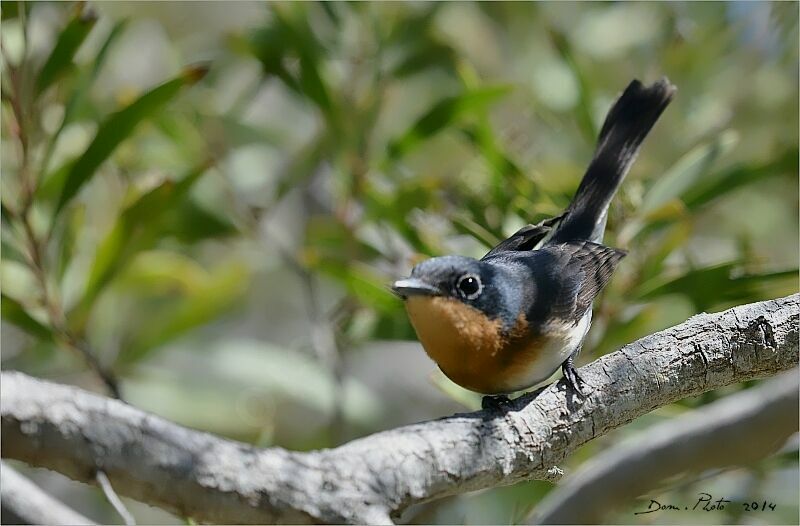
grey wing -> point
(584, 269)
(526, 238)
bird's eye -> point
(470, 286)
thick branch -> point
(736, 430)
(215, 480)
(25, 503)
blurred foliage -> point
(213, 200)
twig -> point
(56, 315)
(366, 481)
(113, 498)
(37, 248)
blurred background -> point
(204, 203)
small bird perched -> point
(507, 321)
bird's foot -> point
(572, 379)
(495, 402)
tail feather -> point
(627, 124)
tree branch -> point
(739, 429)
(25, 503)
(366, 481)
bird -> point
(508, 321)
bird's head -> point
(460, 278)
(463, 285)
(464, 312)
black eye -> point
(470, 286)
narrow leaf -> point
(424, 55)
(204, 303)
(686, 171)
(60, 59)
(14, 313)
(720, 183)
(585, 97)
(718, 284)
(118, 127)
(10, 9)
(442, 114)
(138, 228)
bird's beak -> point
(414, 287)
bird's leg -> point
(495, 402)
(571, 375)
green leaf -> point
(163, 271)
(508, 179)
(423, 55)
(330, 9)
(585, 96)
(290, 35)
(720, 285)
(10, 9)
(660, 246)
(60, 59)
(202, 303)
(239, 133)
(718, 184)
(10, 251)
(464, 224)
(6, 214)
(14, 313)
(442, 114)
(137, 229)
(77, 97)
(687, 171)
(74, 225)
(362, 282)
(118, 127)
(190, 223)
(303, 165)
(325, 239)
(112, 37)
(312, 84)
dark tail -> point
(627, 124)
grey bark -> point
(739, 429)
(25, 503)
(211, 479)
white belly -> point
(563, 342)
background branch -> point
(216, 480)
(739, 429)
(25, 503)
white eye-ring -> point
(469, 286)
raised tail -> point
(628, 122)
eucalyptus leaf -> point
(202, 303)
(60, 59)
(118, 127)
(687, 171)
(719, 184)
(138, 228)
(14, 313)
(723, 284)
(444, 113)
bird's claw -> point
(495, 402)
(573, 380)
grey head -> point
(478, 284)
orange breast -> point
(469, 348)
